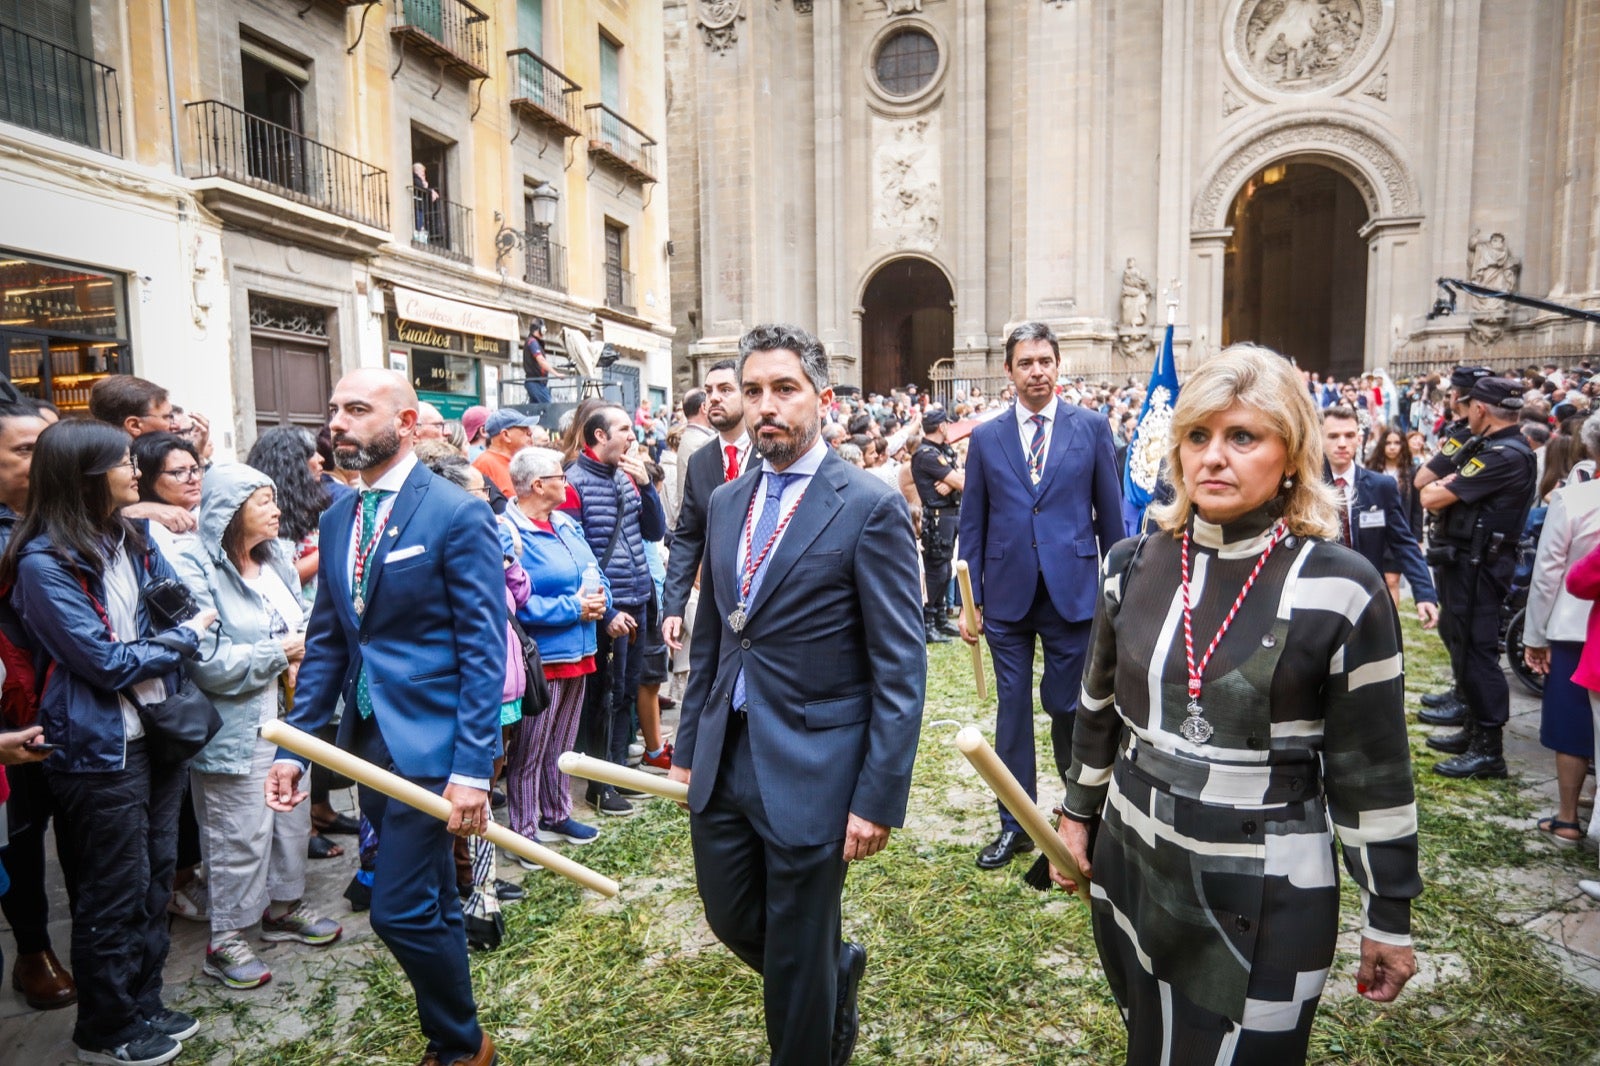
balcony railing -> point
(242, 147)
(619, 289)
(545, 262)
(452, 31)
(615, 140)
(58, 92)
(543, 93)
(440, 227)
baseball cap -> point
(1497, 392)
(505, 419)
(472, 420)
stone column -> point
(967, 158)
(1207, 275)
(840, 335)
(1394, 293)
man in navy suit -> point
(1371, 519)
(409, 626)
(800, 723)
(1043, 503)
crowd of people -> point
(138, 573)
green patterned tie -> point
(370, 499)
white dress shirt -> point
(393, 480)
(805, 467)
(1025, 427)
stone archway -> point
(907, 323)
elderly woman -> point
(255, 858)
(1207, 761)
(569, 595)
(1553, 635)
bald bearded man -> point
(409, 626)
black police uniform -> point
(930, 464)
(1452, 629)
(1474, 550)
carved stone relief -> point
(1491, 264)
(1379, 89)
(718, 21)
(1303, 45)
(905, 175)
(902, 7)
(1230, 102)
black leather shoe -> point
(1003, 848)
(934, 635)
(846, 1019)
(1451, 743)
(1439, 699)
(1484, 758)
(1444, 714)
(507, 892)
(947, 626)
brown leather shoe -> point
(43, 981)
(485, 1057)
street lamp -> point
(544, 197)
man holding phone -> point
(619, 510)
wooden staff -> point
(609, 773)
(414, 795)
(1011, 793)
(969, 614)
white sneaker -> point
(192, 902)
(635, 753)
(1590, 889)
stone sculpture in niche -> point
(905, 172)
(1136, 297)
(1302, 45)
(1490, 264)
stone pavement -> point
(1546, 902)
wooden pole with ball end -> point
(574, 764)
(1015, 797)
(969, 614)
(413, 795)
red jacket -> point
(1583, 581)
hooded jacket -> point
(240, 659)
(85, 668)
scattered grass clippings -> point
(965, 967)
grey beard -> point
(782, 453)
(380, 449)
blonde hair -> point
(1266, 382)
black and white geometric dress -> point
(1215, 896)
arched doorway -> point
(1295, 275)
(906, 324)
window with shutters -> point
(49, 82)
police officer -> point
(936, 472)
(1481, 508)
(1448, 708)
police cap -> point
(935, 418)
(1464, 377)
(1497, 392)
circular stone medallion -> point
(1297, 46)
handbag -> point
(536, 697)
(179, 726)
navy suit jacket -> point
(433, 637)
(702, 476)
(833, 654)
(1377, 493)
(1013, 530)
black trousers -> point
(26, 903)
(124, 840)
(938, 555)
(605, 723)
(750, 884)
(1475, 622)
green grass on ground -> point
(965, 966)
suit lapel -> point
(333, 540)
(1011, 444)
(1061, 435)
(817, 508)
(729, 531)
(405, 505)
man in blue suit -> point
(800, 723)
(1043, 503)
(1371, 519)
(409, 626)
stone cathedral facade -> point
(909, 177)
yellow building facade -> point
(274, 193)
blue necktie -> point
(766, 524)
(1036, 449)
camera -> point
(170, 603)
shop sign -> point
(455, 316)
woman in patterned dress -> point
(1219, 780)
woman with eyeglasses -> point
(78, 571)
(255, 858)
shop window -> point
(62, 328)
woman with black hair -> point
(78, 571)
(169, 472)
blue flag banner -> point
(1152, 438)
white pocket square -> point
(400, 554)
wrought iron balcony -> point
(439, 226)
(616, 141)
(58, 92)
(619, 290)
(543, 93)
(545, 262)
(452, 31)
(241, 147)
